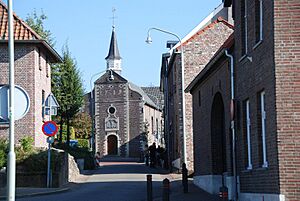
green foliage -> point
(37, 162)
(64, 132)
(36, 22)
(83, 143)
(78, 153)
(26, 144)
(82, 124)
(3, 152)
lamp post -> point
(111, 77)
(11, 176)
(149, 41)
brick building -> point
(203, 41)
(33, 56)
(266, 82)
(127, 117)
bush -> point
(83, 143)
(77, 153)
(26, 144)
(3, 152)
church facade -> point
(126, 117)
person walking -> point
(152, 150)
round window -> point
(112, 110)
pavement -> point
(22, 192)
(90, 177)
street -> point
(113, 181)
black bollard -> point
(166, 190)
(185, 178)
(149, 187)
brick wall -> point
(217, 82)
(254, 75)
(197, 52)
(287, 72)
(33, 80)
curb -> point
(38, 193)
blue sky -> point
(87, 26)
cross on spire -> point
(113, 10)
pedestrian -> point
(146, 155)
(152, 150)
(97, 159)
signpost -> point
(49, 129)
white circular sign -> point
(21, 106)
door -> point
(112, 145)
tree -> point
(68, 88)
(82, 124)
(36, 22)
(66, 84)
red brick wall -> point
(251, 78)
(216, 82)
(33, 80)
(287, 62)
(197, 53)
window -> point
(40, 59)
(152, 125)
(258, 21)
(244, 33)
(261, 120)
(47, 67)
(43, 104)
(247, 134)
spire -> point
(113, 59)
(113, 48)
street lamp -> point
(149, 41)
(110, 78)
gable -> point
(105, 78)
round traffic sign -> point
(49, 128)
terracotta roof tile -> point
(21, 30)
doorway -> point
(112, 145)
(218, 136)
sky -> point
(86, 27)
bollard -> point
(223, 193)
(149, 187)
(185, 178)
(166, 190)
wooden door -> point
(112, 145)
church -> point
(126, 117)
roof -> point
(219, 14)
(155, 94)
(139, 90)
(113, 48)
(22, 32)
(209, 67)
(204, 29)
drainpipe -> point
(233, 125)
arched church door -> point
(112, 145)
(218, 137)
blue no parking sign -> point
(49, 128)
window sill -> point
(257, 44)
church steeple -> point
(113, 59)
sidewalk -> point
(29, 192)
(194, 194)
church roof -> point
(155, 95)
(113, 48)
(146, 98)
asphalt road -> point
(114, 181)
